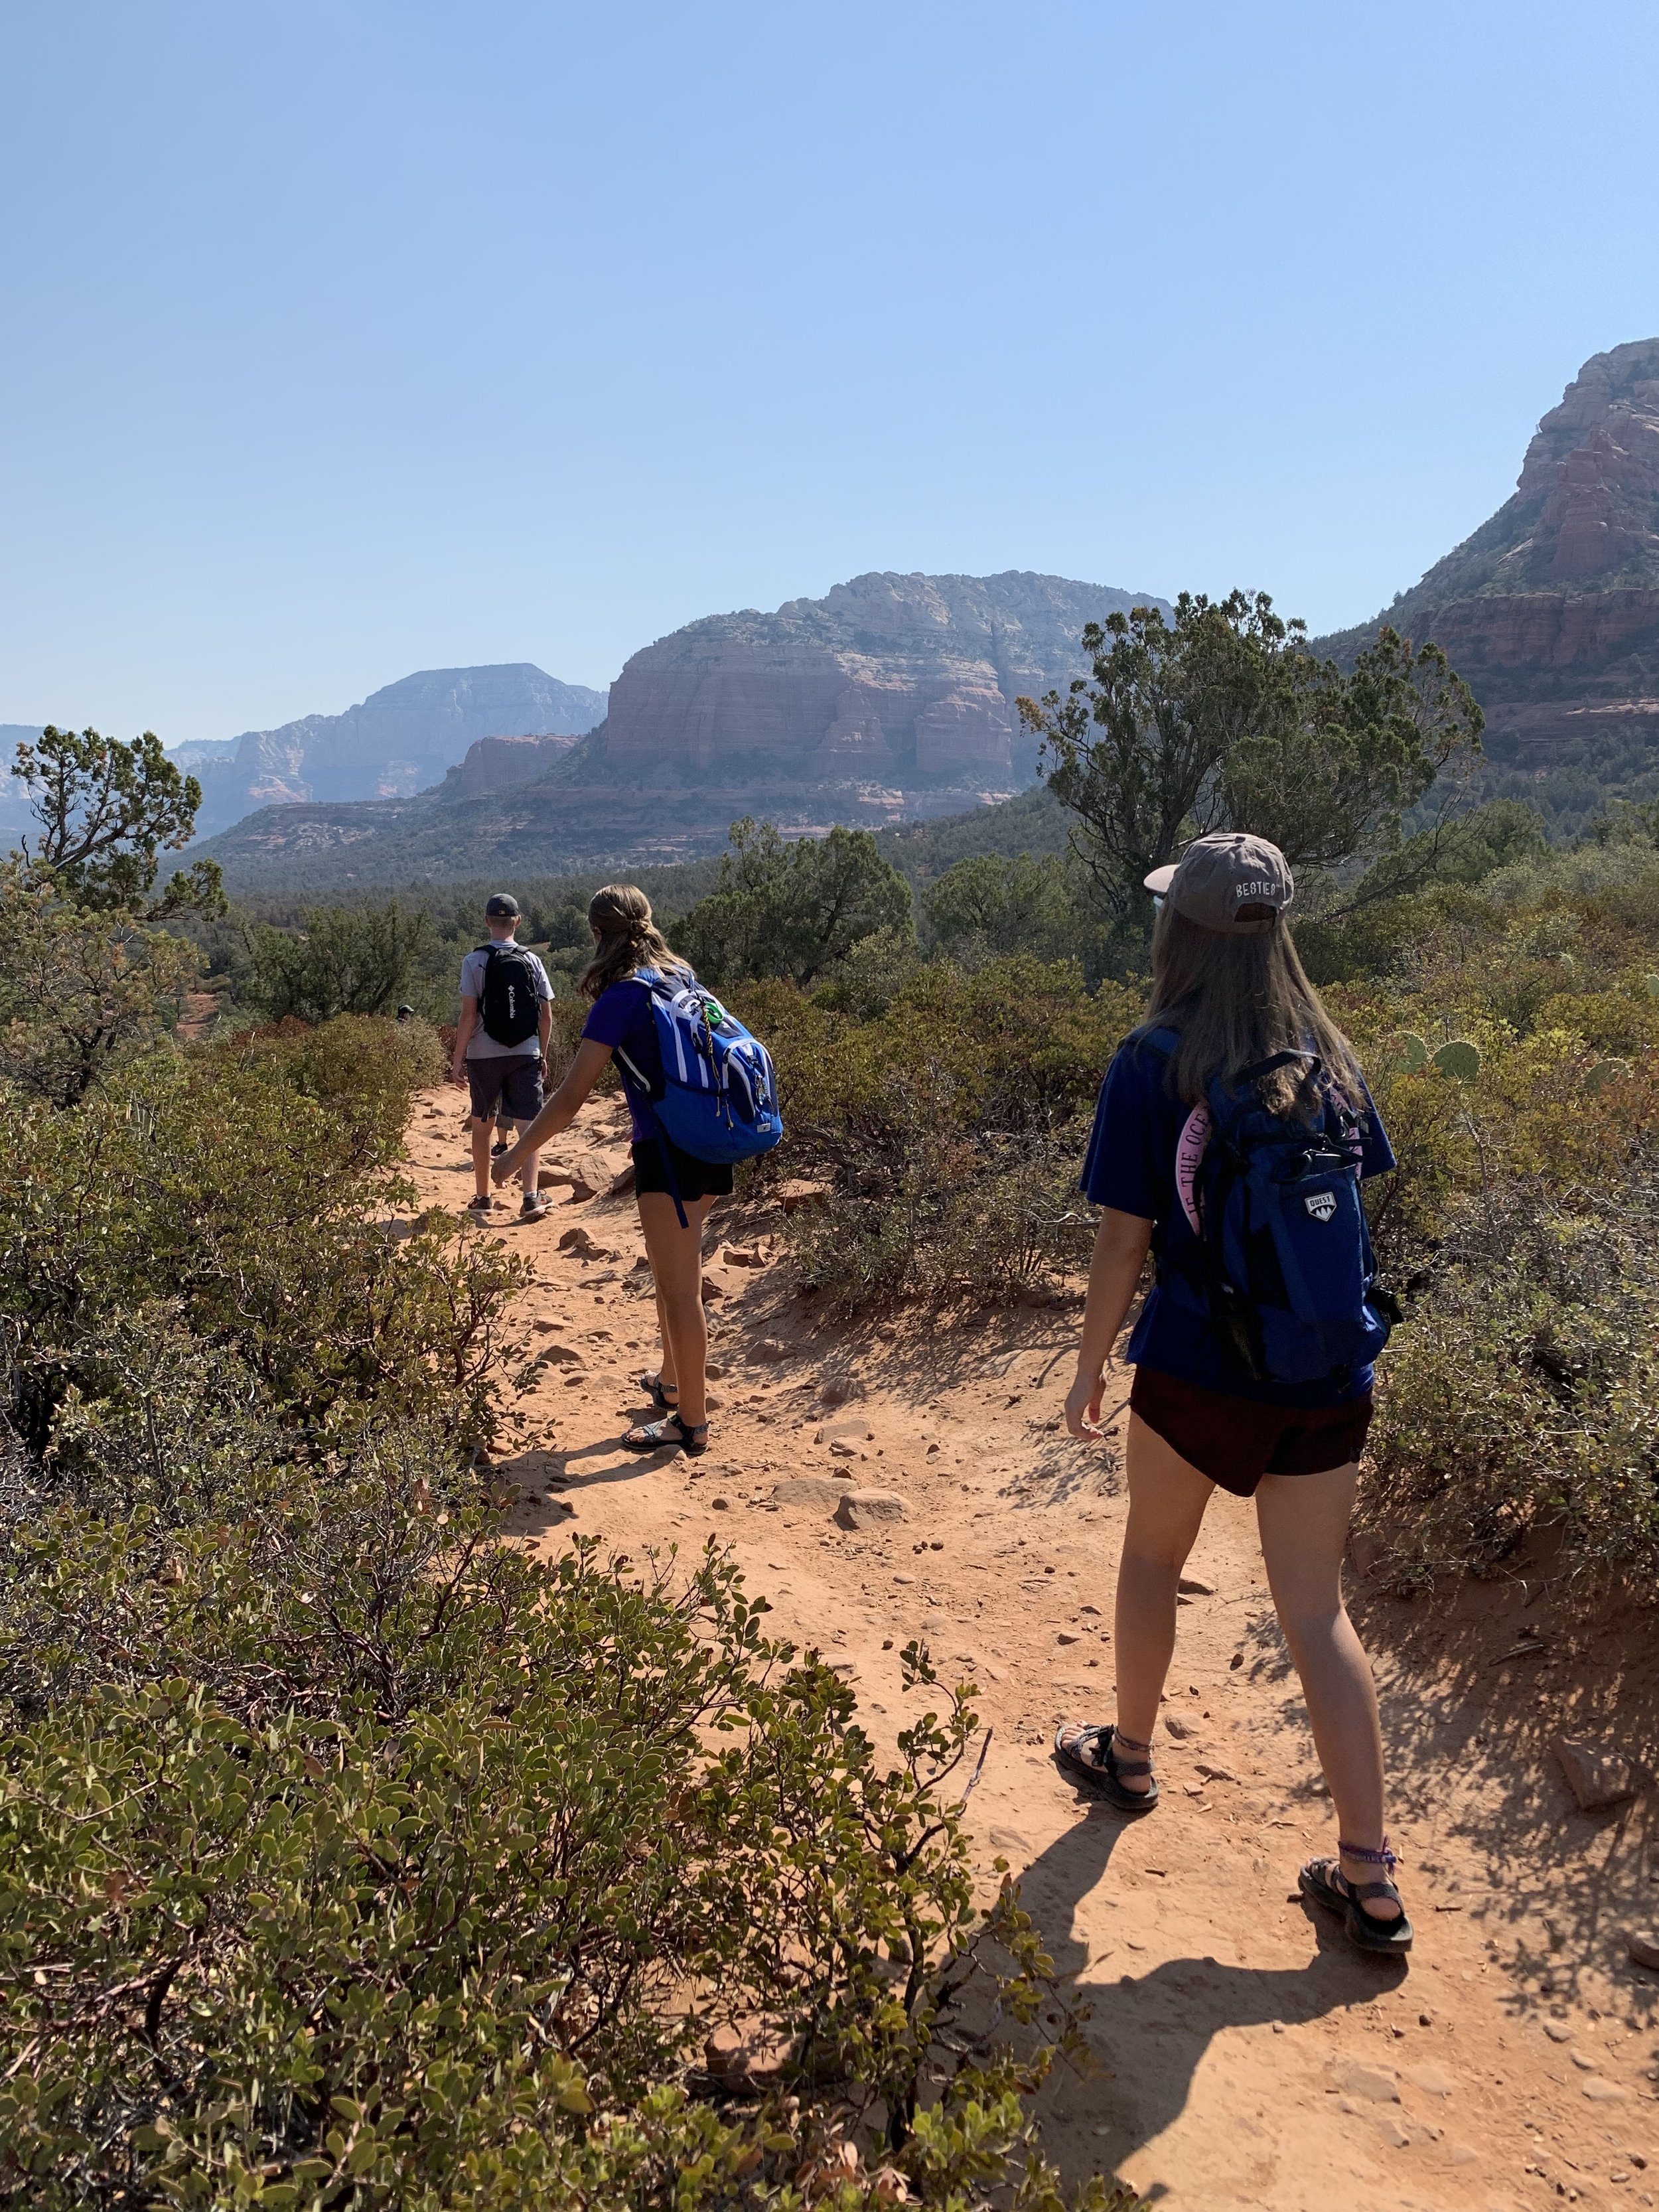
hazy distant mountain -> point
(1551, 608)
(891, 699)
(15, 819)
(400, 741)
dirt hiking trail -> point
(1247, 2056)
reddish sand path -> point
(1249, 2057)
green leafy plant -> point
(82, 993)
(106, 811)
(792, 909)
(340, 960)
(1223, 719)
(350, 1855)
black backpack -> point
(509, 1005)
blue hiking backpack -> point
(719, 1093)
(1284, 1268)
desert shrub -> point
(378, 1864)
(360, 1067)
(352, 1858)
(82, 992)
(950, 1126)
(223, 1182)
(340, 960)
(792, 909)
(1525, 1393)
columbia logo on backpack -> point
(1284, 1268)
(509, 1005)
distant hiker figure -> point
(1231, 1136)
(701, 1094)
(500, 1046)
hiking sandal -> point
(657, 1390)
(1090, 1754)
(1324, 1882)
(693, 1442)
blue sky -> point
(348, 338)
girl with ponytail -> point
(1233, 1017)
(628, 946)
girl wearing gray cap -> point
(1232, 1132)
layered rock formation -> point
(400, 741)
(888, 681)
(1551, 609)
(497, 763)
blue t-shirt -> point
(1131, 1167)
(622, 1015)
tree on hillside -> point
(994, 903)
(1223, 719)
(81, 992)
(106, 810)
(793, 909)
(342, 960)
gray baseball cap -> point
(1219, 876)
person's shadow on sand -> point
(1153, 2027)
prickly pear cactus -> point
(1407, 1052)
(1605, 1071)
(1460, 1060)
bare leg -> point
(1167, 1499)
(1303, 1523)
(676, 1256)
(667, 1374)
(532, 1163)
(482, 1132)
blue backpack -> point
(720, 1092)
(1284, 1270)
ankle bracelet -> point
(1384, 1858)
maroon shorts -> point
(1236, 1441)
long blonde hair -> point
(619, 914)
(1237, 1000)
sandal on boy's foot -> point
(484, 1204)
(693, 1442)
(657, 1391)
(1089, 1753)
(1325, 1883)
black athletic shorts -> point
(1236, 1441)
(695, 1178)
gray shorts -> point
(514, 1081)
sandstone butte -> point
(1551, 609)
(896, 681)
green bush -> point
(950, 1126)
(80, 993)
(340, 960)
(1524, 1394)
(352, 1858)
(792, 909)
